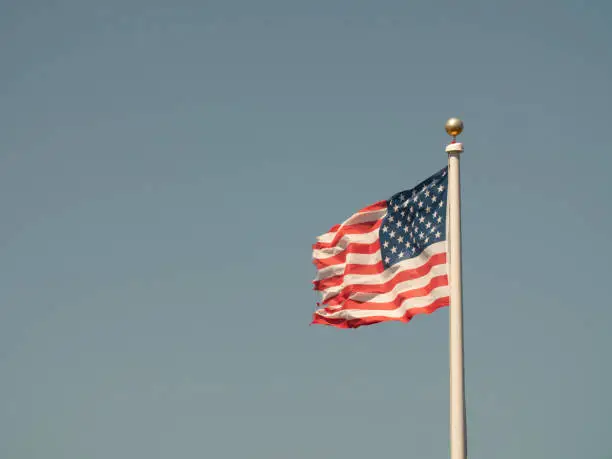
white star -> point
(399, 224)
(438, 234)
(393, 249)
(440, 188)
(421, 235)
(435, 214)
(391, 218)
(434, 199)
(439, 219)
(421, 220)
(426, 240)
(433, 228)
(441, 204)
(400, 239)
(392, 234)
(428, 225)
(402, 197)
(385, 229)
(395, 207)
(386, 244)
(411, 209)
(387, 260)
(427, 193)
(408, 244)
(428, 209)
(401, 254)
(420, 203)
(406, 228)
(403, 213)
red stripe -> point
(332, 281)
(355, 323)
(376, 206)
(402, 276)
(438, 281)
(357, 228)
(355, 247)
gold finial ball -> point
(454, 127)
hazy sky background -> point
(166, 166)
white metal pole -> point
(458, 437)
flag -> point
(386, 262)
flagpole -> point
(458, 436)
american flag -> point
(386, 262)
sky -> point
(166, 166)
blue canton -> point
(415, 219)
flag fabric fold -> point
(387, 262)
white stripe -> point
(361, 238)
(409, 303)
(390, 273)
(360, 217)
(412, 284)
(330, 292)
(351, 259)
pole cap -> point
(455, 147)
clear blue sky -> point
(166, 166)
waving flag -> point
(386, 262)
